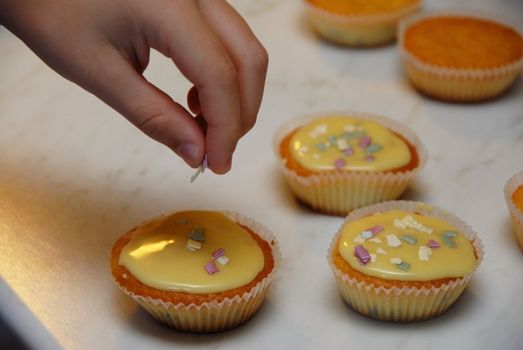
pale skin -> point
(104, 45)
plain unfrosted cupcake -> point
(514, 199)
(460, 56)
(198, 271)
(339, 161)
(403, 261)
(359, 23)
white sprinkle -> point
(317, 131)
(349, 128)
(424, 253)
(358, 239)
(342, 144)
(375, 240)
(193, 245)
(372, 257)
(381, 251)
(395, 261)
(304, 149)
(393, 241)
(223, 260)
(316, 156)
(399, 224)
(366, 234)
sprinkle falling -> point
(201, 169)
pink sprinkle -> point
(348, 151)
(365, 141)
(376, 229)
(433, 244)
(211, 268)
(362, 254)
(369, 158)
(218, 252)
(339, 163)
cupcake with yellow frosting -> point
(337, 162)
(198, 271)
(461, 56)
(357, 22)
(403, 261)
(514, 199)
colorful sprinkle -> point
(223, 260)
(373, 257)
(348, 151)
(370, 158)
(365, 141)
(317, 131)
(339, 163)
(342, 144)
(366, 234)
(424, 253)
(375, 240)
(218, 252)
(433, 244)
(201, 169)
(193, 245)
(316, 156)
(373, 148)
(380, 250)
(332, 139)
(409, 239)
(450, 234)
(304, 149)
(399, 224)
(376, 229)
(395, 261)
(393, 241)
(362, 254)
(198, 234)
(321, 147)
(358, 239)
(448, 241)
(211, 268)
(405, 266)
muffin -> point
(514, 199)
(336, 162)
(403, 261)
(359, 23)
(198, 271)
(460, 57)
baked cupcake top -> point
(194, 252)
(361, 7)
(348, 143)
(457, 41)
(406, 246)
(517, 198)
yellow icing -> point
(306, 145)
(445, 262)
(158, 257)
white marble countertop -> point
(74, 176)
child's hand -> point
(103, 46)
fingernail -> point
(188, 152)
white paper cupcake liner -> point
(404, 304)
(339, 192)
(515, 213)
(457, 84)
(215, 316)
(358, 30)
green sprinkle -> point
(450, 234)
(321, 147)
(197, 234)
(404, 266)
(373, 148)
(409, 239)
(448, 241)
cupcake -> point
(460, 57)
(198, 271)
(337, 162)
(403, 261)
(514, 199)
(359, 23)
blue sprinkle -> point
(409, 239)
(450, 234)
(197, 234)
(373, 148)
(448, 241)
(404, 266)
